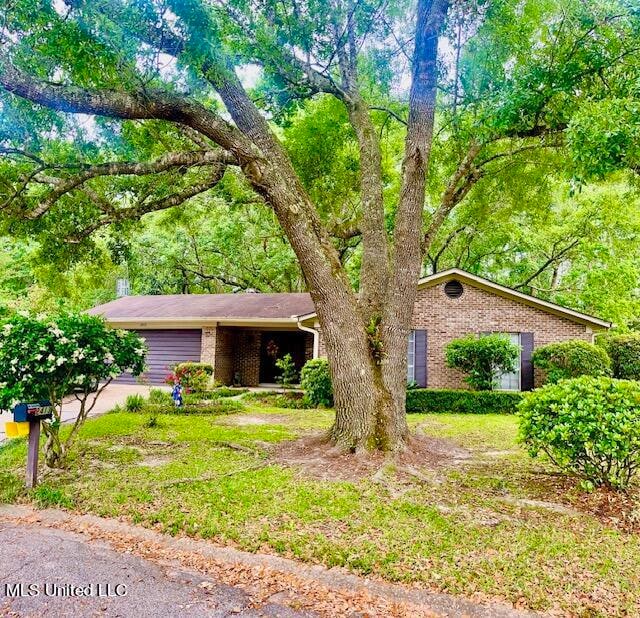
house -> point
(242, 335)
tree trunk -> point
(369, 396)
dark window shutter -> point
(526, 366)
(421, 358)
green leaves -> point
(587, 426)
(570, 359)
(315, 379)
(482, 359)
(604, 137)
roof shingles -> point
(206, 306)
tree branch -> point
(454, 193)
(169, 161)
(150, 104)
(135, 212)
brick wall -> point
(223, 366)
(478, 311)
(308, 346)
(246, 360)
(208, 345)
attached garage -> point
(167, 347)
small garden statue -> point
(176, 394)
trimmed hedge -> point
(462, 401)
(216, 406)
(291, 399)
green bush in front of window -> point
(571, 359)
(462, 401)
(483, 359)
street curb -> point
(335, 578)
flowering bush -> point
(42, 358)
(194, 377)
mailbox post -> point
(31, 414)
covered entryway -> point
(167, 347)
(275, 345)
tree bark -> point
(366, 337)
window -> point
(411, 357)
(511, 381)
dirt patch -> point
(154, 462)
(314, 457)
(256, 419)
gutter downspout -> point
(316, 337)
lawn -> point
(496, 525)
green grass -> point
(457, 534)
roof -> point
(505, 292)
(288, 308)
(183, 307)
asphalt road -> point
(38, 556)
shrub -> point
(588, 426)
(193, 377)
(624, 351)
(51, 358)
(216, 406)
(288, 376)
(483, 359)
(315, 380)
(571, 359)
(292, 399)
(462, 401)
(134, 403)
(157, 395)
(217, 393)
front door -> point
(274, 345)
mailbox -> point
(25, 412)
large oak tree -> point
(510, 81)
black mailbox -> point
(40, 411)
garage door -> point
(166, 348)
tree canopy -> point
(371, 141)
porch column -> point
(208, 345)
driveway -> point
(113, 395)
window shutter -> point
(421, 358)
(526, 365)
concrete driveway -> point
(113, 395)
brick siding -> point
(478, 311)
(232, 351)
